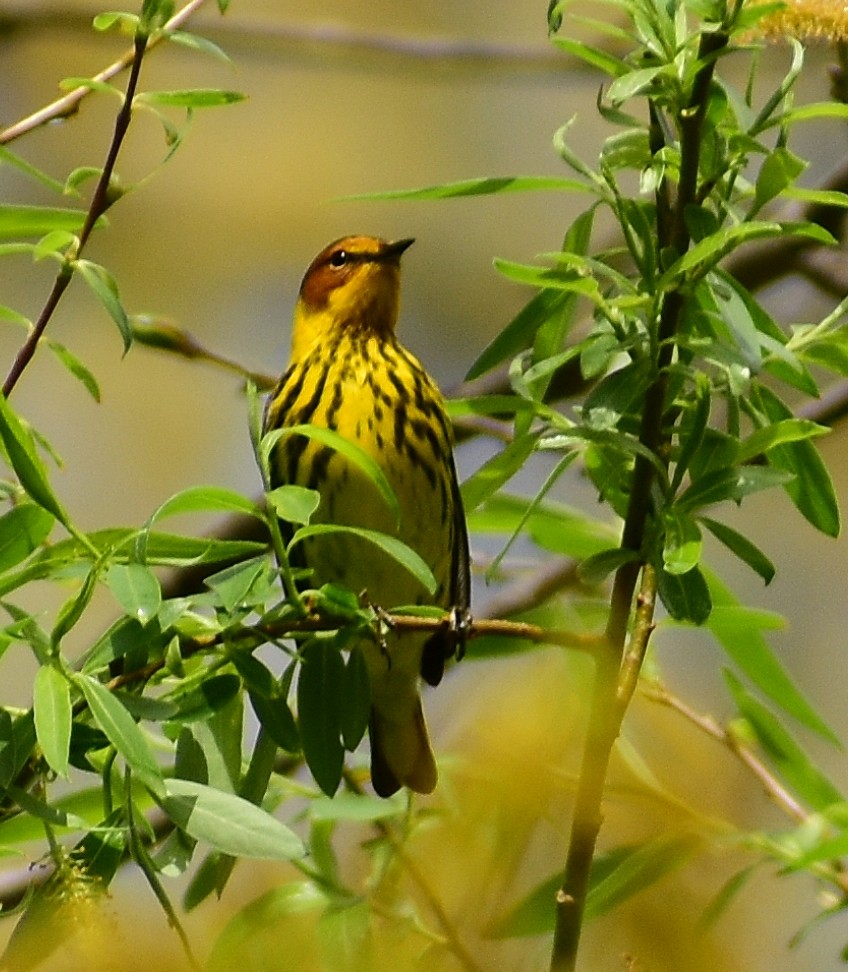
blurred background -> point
(348, 99)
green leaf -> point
(595, 569)
(51, 702)
(319, 692)
(810, 487)
(17, 221)
(136, 589)
(104, 287)
(197, 43)
(683, 544)
(615, 876)
(566, 278)
(10, 158)
(740, 545)
(638, 869)
(520, 332)
(276, 718)
(190, 98)
(477, 187)
(122, 733)
(206, 499)
(685, 596)
(778, 433)
(802, 775)
(730, 484)
(23, 529)
(594, 56)
(73, 364)
(202, 701)
(228, 822)
(244, 940)
(553, 526)
(355, 700)
(779, 170)
(633, 83)
(233, 584)
(27, 464)
(739, 632)
(708, 252)
(405, 556)
(496, 471)
(294, 504)
(350, 450)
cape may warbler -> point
(348, 372)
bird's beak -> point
(394, 249)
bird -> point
(349, 372)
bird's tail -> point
(400, 752)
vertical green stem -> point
(619, 661)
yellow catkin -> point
(809, 19)
(349, 373)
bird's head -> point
(354, 284)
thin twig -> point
(69, 103)
(775, 790)
(101, 200)
(453, 941)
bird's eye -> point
(339, 258)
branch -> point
(69, 103)
(613, 687)
(101, 200)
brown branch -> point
(69, 103)
(102, 198)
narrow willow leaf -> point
(233, 584)
(197, 43)
(17, 221)
(553, 526)
(10, 158)
(243, 938)
(686, 596)
(228, 822)
(51, 702)
(22, 530)
(319, 692)
(783, 750)
(405, 556)
(276, 718)
(122, 733)
(27, 464)
(810, 487)
(520, 332)
(202, 701)
(73, 364)
(478, 187)
(594, 56)
(496, 471)
(640, 869)
(355, 699)
(205, 499)
(190, 98)
(105, 288)
(596, 569)
(683, 544)
(744, 548)
(739, 631)
(731, 484)
(136, 589)
(778, 433)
